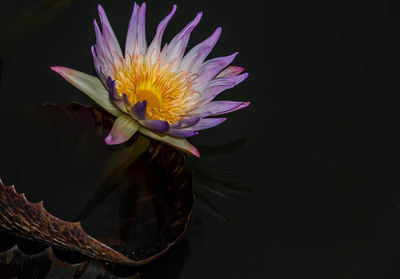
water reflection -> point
(141, 208)
(144, 205)
(144, 199)
(29, 260)
(210, 179)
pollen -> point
(169, 94)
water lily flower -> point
(161, 93)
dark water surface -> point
(319, 144)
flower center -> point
(149, 96)
(169, 95)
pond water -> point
(301, 184)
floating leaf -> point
(14, 263)
(142, 207)
(155, 202)
(31, 220)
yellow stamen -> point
(168, 94)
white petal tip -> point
(192, 149)
(63, 71)
(109, 140)
(195, 152)
(58, 69)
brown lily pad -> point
(155, 204)
(14, 263)
(138, 210)
(31, 220)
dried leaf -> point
(14, 263)
(142, 207)
(154, 205)
(32, 220)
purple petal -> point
(131, 36)
(176, 125)
(106, 52)
(176, 48)
(187, 122)
(195, 57)
(218, 85)
(158, 126)
(182, 133)
(101, 48)
(114, 96)
(136, 37)
(126, 101)
(112, 90)
(109, 83)
(219, 107)
(108, 34)
(138, 111)
(153, 52)
(210, 69)
(97, 65)
(206, 123)
(104, 57)
(123, 129)
(231, 71)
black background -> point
(322, 131)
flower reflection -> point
(144, 203)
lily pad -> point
(32, 221)
(14, 263)
(140, 207)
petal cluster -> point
(159, 91)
